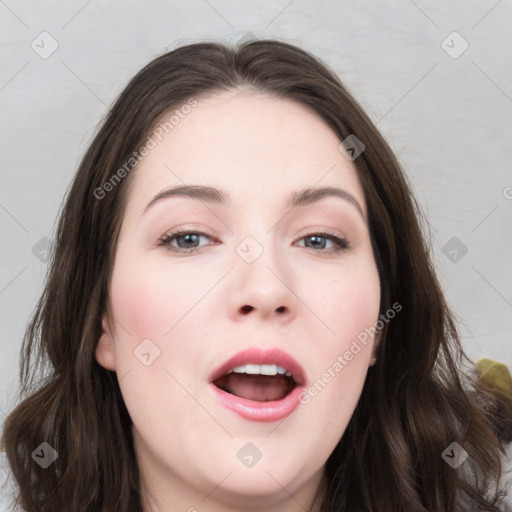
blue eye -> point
(188, 242)
(319, 242)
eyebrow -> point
(214, 195)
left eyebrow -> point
(214, 195)
(313, 194)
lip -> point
(251, 409)
(259, 411)
(259, 356)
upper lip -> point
(262, 356)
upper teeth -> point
(261, 369)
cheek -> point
(148, 305)
(150, 300)
(348, 303)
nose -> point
(262, 289)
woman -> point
(241, 312)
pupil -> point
(187, 236)
(316, 239)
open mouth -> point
(260, 383)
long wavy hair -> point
(417, 399)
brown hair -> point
(416, 400)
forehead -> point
(249, 144)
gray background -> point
(446, 112)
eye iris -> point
(187, 238)
(316, 239)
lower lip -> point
(259, 411)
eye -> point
(186, 241)
(319, 240)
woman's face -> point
(252, 277)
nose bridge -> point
(258, 244)
(261, 278)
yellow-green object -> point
(495, 375)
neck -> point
(163, 492)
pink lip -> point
(260, 411)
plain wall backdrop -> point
(434, 76)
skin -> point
(191, 305)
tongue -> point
(261, 388)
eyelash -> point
(341, 244)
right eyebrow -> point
(203, 193)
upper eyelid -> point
(313, 231)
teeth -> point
(263, 369)
(252, 369)
(268, 369)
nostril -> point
(247, 309)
